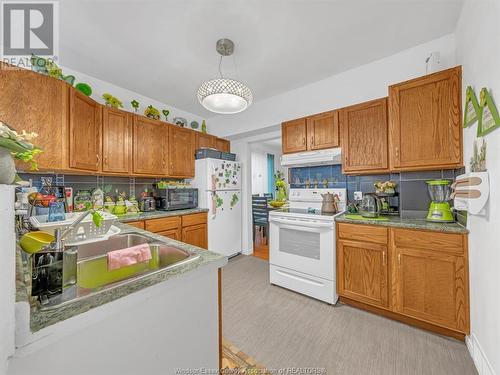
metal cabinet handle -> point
(399, 259)
(106, 160)
(383, 258)
(98, 159)
(397, 152)
(312, 140)
(304, 140)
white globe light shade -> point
(225, 96)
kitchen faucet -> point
(58, 243)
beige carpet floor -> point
(283, 329)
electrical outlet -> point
(46, 181)
(358, 195)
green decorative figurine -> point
(203, 127)
(135, 104)
(165, 112)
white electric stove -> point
(302, 244)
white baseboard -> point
(247, 251)
(481, 362)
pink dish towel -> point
(126, 257)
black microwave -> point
(176, 199)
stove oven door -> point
(303, 245)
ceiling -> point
(164, 49)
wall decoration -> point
(181, 121)
(472, 109)
(84, 88)
(194, 125)
(165, 112)
(478, 160)
(70, 79)
(152, 112)
(203, 126)
(135, 104)
(489, 119)
(50, 68)
(111, 101)
(234, 200)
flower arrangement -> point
(19, 145)
(152, 112)
(111, 101)
(387, 187)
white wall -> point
(100, 87)
(259, 172)
(354, 86)
(7, 276)
(478, 39)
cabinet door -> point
(85, 129)
(425, 117)
(174, 234)
(323, 131)
(150, 142)
(205, 141)
(362, 272)
(431, 286)
(181, 152)
(196, 235)
(137, 224)
(364, 137)
(37, 103)
(222, 145)
(116, 141)
(294, 136)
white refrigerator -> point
(219, 189)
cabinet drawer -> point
(163, 224)
(364, 233)
(194, 219)
(137, 224)
(426, 240)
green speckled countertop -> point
(41, 318)
(409, 223)
(159, 214)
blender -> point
(439, 209)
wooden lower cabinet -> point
(196, 235)
(363, 275)
(137, 224)
(174, 234)
(191, 229)
(420, 277)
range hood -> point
(310, 158)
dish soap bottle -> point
(98, 199)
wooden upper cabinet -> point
(431, 284)
(323, 131)
(116, 141)
(425, 122)
(181, 150)
(37, 103)
(222, 145)
(294, 136)
(362, 272)
(204, 140)
(150, 147)
(85, 128)
(364, 137)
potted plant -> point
(14, 145)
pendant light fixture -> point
(224, 95)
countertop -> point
(41, 318)
(409, 223)
(158, 214)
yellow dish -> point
(33, 242)
(277, 203)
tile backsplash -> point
(413, 196)
(132, 186)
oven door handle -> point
(298, 223)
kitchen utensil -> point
(370, 206)
(440, 193)
(147, 204)
(277, 204)
(329, 204)
(33, 242)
